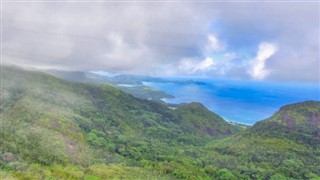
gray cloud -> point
(155, 38)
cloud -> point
(204, 65)
(192, 66)
(214, 44)
(122, 37)
(257, 69)
(157, 38)
(185, 66)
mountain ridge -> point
(298, 121)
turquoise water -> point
(239, 101)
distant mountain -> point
(128, 83)
(79, 76)
(132, 84)
(299, 122)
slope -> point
(299, 122)
(128, 83)
(46, 121)
(284, 146)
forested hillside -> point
(52, 128)
(128, 83)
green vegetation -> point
(297, 122)
(128, 83)
(56, 129)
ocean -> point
(238, 101)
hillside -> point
(57, 129)
(286, 143)
(46, 120)
(194, 118)
(128, 83)
(299, 122)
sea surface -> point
(244, 102)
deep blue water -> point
(239, 101)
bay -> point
(239, 101)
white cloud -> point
(214, 44)
(226, 63)
(186, 66)
(191, 66)
(257, 69)
(124, 53)
(204, 65)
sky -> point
(258, 40)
